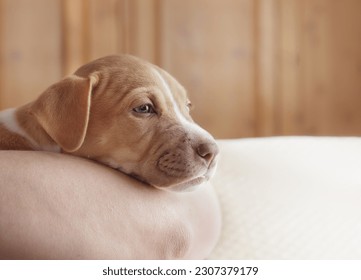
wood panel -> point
(210, 48)
(30, 49)
(267, 72)
(75, 34)
(94, 28)
(251, 67)
(289, 67)
(346, 65)
(144, 29)
(319, 81)
(317, 67)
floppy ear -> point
(63, 110)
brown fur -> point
(12, 141)
(91, 114)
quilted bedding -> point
(290, 198)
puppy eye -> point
(144, 109)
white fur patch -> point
(170, 96)
(186, 123)
(8, 119)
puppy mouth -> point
(173, 183)
(185, 181)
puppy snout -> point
(208, 151)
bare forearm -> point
(54, 206)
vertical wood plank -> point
(252, 67)
(2, 54)
(95, 28)
(143, 23)
(208, 46)
(31, 53)
(266, 64)
(345, 113)
(75, 34)
(123, 23)
(289, 68)
(317, 67)
(103, 29)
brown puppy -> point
(123, 112)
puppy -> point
(120, 111)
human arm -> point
(55, 206)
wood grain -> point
(251, 67)
(31, 49)
(266, 87)
(209, 48)
(75, 34)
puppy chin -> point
(187, 186)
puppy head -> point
(132, 116)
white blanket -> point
(290, 198)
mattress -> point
(289, 198)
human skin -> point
(56, 206)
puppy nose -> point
(208, 151)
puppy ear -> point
(63, 110)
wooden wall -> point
(252, 67)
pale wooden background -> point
(252, 67)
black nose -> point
(208, 151)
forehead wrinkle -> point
(142, 92)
